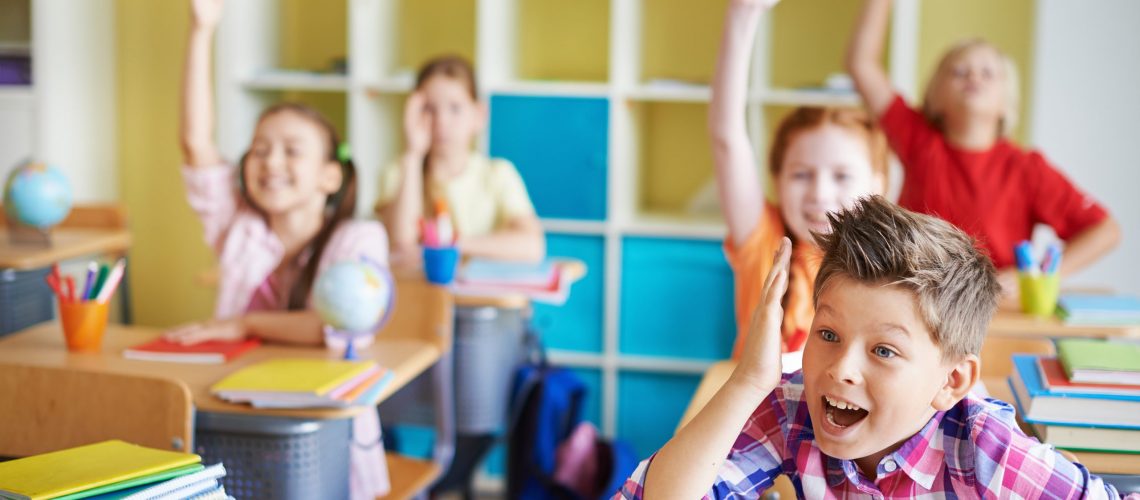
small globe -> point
(353, 296)
(37, 195)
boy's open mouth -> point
(842, 414)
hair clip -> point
(343, 152)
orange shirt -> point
(750, 265)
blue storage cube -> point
(576, 325)
(676, 299)
(559, 145)
(650, 406)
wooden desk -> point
(1016, 324)
(67, 243)
(1013, 332)
(43, 345)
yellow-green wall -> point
(560, 43)
(429, 28)
(168, 254)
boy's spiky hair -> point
(955, 284)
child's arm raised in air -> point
(401, 215)
(738, 180)
(197, 125)
(863, 53)
(687, 466)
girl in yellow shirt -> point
(487, 201)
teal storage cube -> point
(560, 146)
(576, 325)
(676, 299)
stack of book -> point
(111, 470)
(543, 282)
(305, 383)
(1069, 408)
(1099, 310)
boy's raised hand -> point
(417, 125)
(206, 13)
(760, 359)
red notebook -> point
(1053, 376)
(214, 351)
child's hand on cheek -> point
(225, 329)
(760, 359)
(417, 125)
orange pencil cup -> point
(83, 325)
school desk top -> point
(43, 345)
(1017, 324)
(67, 243)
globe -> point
(354, 296)
(37, 195)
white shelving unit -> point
(66, 117)
(249, 78)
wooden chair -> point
(424, 312)
(48, 409)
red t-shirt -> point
(996, 196)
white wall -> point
(74, 77)
(1086, 115)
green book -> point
(131, 483)
(1100, 361)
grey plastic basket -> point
(25, 299)
(276, 457)
(488, 349)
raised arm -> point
(197, 124)
(863, 55)
(738, 182)
(401, 215)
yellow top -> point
(82, 468)
(482, 198)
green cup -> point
(1039, 293)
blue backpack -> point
(546, 407)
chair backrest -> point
(422, 311)
(48, 409)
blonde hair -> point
(1012, 90)
(955, 284)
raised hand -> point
(760, 359)
(417, 125)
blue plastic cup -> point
(440, 264)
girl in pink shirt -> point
(275, 221)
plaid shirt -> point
(973, 450)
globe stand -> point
(349, 339)
(23, 235)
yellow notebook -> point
(82, 468)
(305, 376)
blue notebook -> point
(1090, 309)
